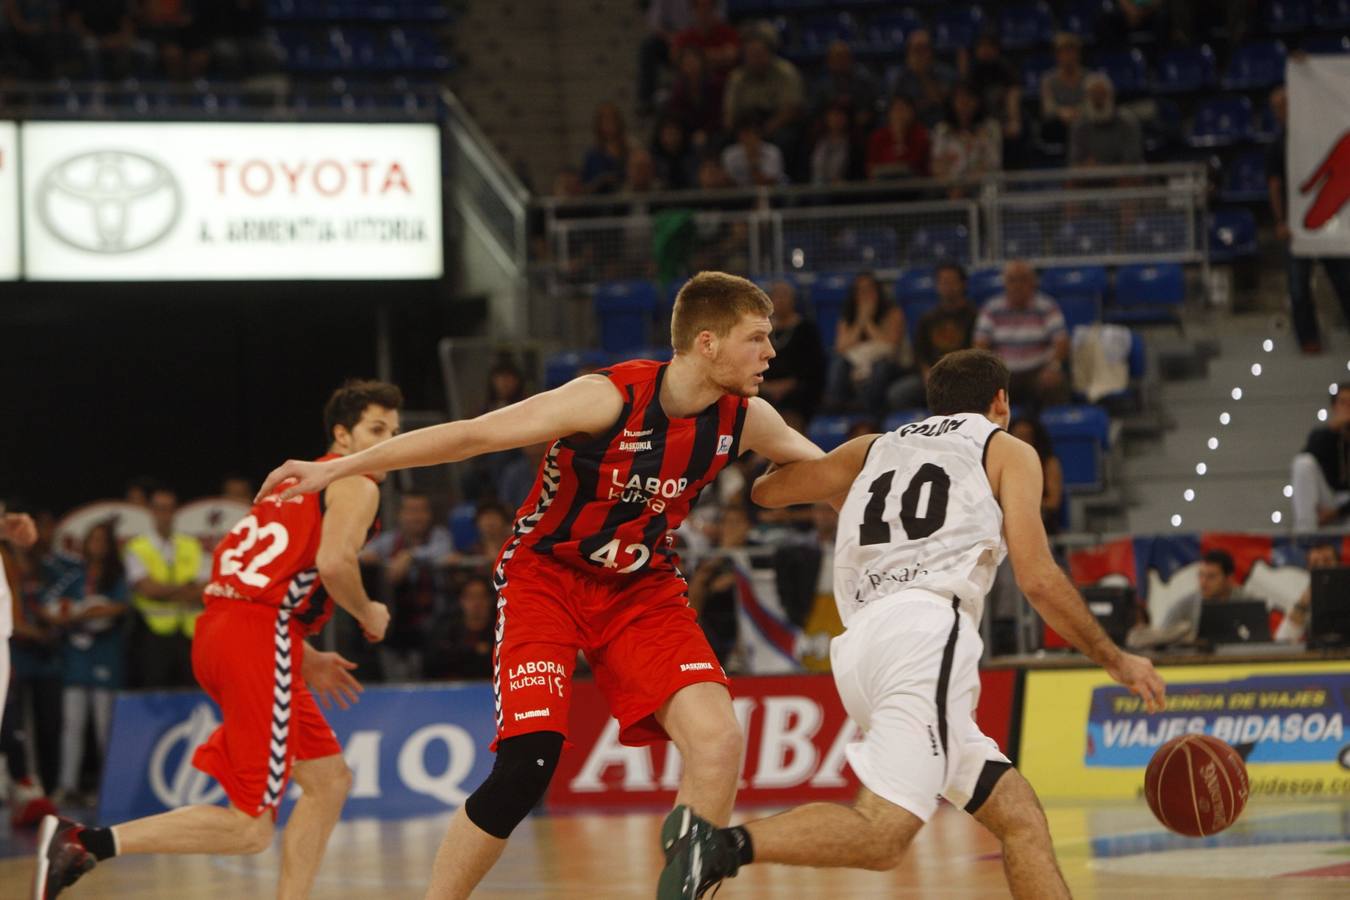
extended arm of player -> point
(813, 480)
(588, 405)
(351, 507)
(768, 435)
(1015, 470)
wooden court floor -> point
(1277, 850)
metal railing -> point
(1103, 216)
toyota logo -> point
(109, 201)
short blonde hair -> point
(714, 301)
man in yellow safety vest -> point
(167, 572)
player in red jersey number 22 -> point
(274, 579)
(589, 565)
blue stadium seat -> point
(1074, 280)
(817, 32)
(902, 418)
(1185, 71)
(983, 284)
(1159, 232)
(955, 27)
(917, 285)
(1331, 14)
(828, 432)
(1026, 25)
(1232, 235)
(463, 526)
(1255, 66)
(1021, 237)
(1221, 122)
(1327, 43)
(932, 245)
(873, 248)
(1287, 16)
(827, 297)
(1126, 69)
(1138, 356)
(1266, 129)
(561, 368)
(1087, 236)
(1033, 67)
(1079, 309)
(1244, 179)
(1080, 434)
(625, 310)
(1148, 293)
(887, 33)
(1081, 18)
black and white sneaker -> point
(698, 856)
(61, 858)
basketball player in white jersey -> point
(931, 510)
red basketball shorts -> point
(642, 641)
(249, 664)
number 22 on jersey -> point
(258, 546)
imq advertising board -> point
(109, 201)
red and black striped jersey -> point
(607, 503)
(269, 557)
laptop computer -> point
(1234, 622)
(1329, 625)
(1114, 608)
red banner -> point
(795, 728)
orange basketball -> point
(1196, 785)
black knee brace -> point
(993, 770)
(516, 783)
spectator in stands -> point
(836, 158)
(230, 38)
(1321, 473)
(640, 173)
(32, 30)
(795, 378)
(36, 646)
(167, 571)
(997, 82)
(967, 144)
(1217, 585)
(462, 646)
(237, 488)
(766, 87)
(89, 609)
(1294, 626)
(848, 83)
(1147, 16)
(410, 557)
(505, 386)
(714, 591)
(1299, 268)
(710, 33)
(665, 19)
(107, 32)
(676, 166)
(711, 175)
(1026, 329)
(753, 161)
(948, 326)
(163, 22)
(1104, 134)
(567, 183)
(899, 148)
(924, 79)
(871, 348)
(494, 529)
(1063, 89)
(603, 169)
(696, 99)
(1030, 430)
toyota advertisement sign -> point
(9, 202)
(115, 201)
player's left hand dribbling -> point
(1137, 674)
(329, 676)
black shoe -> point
(698, 856)
(61, 858)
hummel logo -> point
(532, 714)
(637, 434)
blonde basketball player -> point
(931, 511)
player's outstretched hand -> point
(303, 477)
(375, 622)
(1138, 674)
(330, 677)
(18, 528)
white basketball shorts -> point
(907, 670)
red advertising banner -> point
(796, 732)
